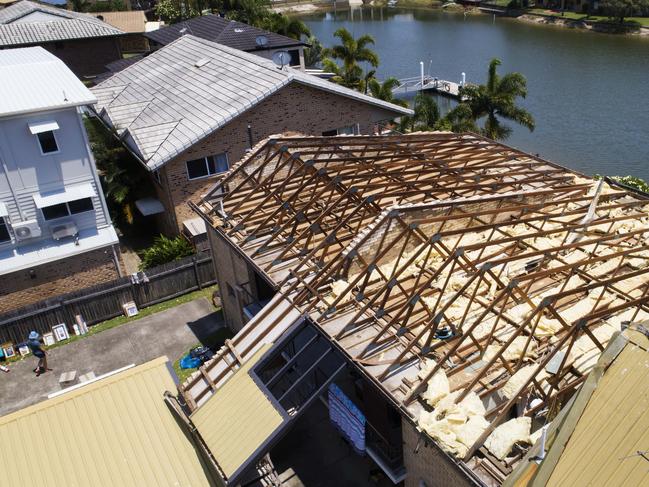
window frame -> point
(5, 224)
(207, 166)
(67, 207)
(40, 146)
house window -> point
(4, 231)
(349, 130)
(47, 142)
(207, 166)
(66, 209)
(295, 57)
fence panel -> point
(104, 301)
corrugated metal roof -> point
(178, 103)
(613, 427)
(32, 79)
(116, 431)
(227, 32)
(132, 21)
(16, 30)
(238, 419)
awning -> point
(3, 210)
(195, 226)
(149, 206)
(40, 127)
(70, 193)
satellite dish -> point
(261, 41)
(281, 58)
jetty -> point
(423, 82)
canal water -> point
(588, 92)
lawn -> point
(214, 341)
(122, 320)
(644, 21)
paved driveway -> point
(170, 333)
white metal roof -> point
(70, 193)
(26, 23)
(33, 80)
(149, 206)
(165, 103)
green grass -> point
(214, 341)
(123, 320)
(644, 21)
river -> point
(588, 92)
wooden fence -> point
(105, 301)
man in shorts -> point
(36, 346)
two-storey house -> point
(55, 231)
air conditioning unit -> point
(62, 230)
(26, 230)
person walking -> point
(36, 346)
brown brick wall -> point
(18, 289)
(231, 269)
(296, 108)
(86, 57)
(429, 465)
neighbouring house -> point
(232, 34)
(83, 42)
(192, 108)
(600, 436)
(55, 231)
(134, 24)
(442, 295)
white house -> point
(55, 231)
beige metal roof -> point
(133, 21)
(237, 420)
(613, 427)
(117, 431)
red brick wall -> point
(86, 57)
(296, 108)
(19, 289)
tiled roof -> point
(227, 32)
(183, 92)
(54, 24)
(133, 21)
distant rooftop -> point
(28, 23)
(171, 99)
(132, 21)
(227, 32)
(32, 79)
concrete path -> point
(170, 332)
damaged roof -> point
(26, 23)
(176, 96)
(461, 276)
(223, 31)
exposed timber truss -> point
(435, 254)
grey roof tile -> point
(166, 91)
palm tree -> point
(284, 25)
(383, 91)
(351, 52)
(426, 115)
(313, 54)
(497, 99)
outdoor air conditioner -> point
(27, 229)
(62, 230)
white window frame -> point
(40, 147)
(208, 175)
(67, 206)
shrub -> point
(165, 250)
(632, 181)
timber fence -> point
(105, 301)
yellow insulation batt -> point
(519, 378)
(438, 385)
(501, 441)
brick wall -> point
(296, 108)
(231, 271)
(429, 465)
(86, 57)
(19, 289)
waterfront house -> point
(454, 290)
(55, 232)
(192, 108)
(134, 24)
(232, 34)
(83, 42)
